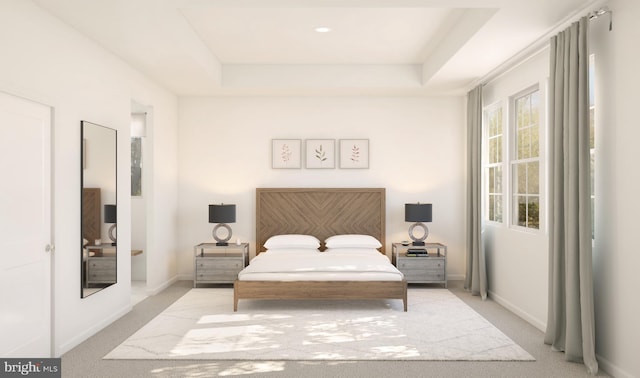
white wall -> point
(517, 259)
(48, 62)
(417, 152)
(616, 257)
(139, 238)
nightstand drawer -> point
(420, 263)
(101, 270)
(220, 263)
(420, 275)
(216, 276)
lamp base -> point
(418, 241)
(112, 234)
(220, 240)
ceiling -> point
(270, 47)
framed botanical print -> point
(354, 153)
(286, 153)
(320, 153)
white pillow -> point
(292, 251)
(292, 241)
(353, 251)
(352, 241)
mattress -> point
(331, 265)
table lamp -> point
(110, 216)
(222, 214)
(418, 213)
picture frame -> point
(286, 153)
(320, 153)
(354, 153)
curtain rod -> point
(542, 43)
(601, 12)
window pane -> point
(136, 167)
(524, 144)
(491, 180)
(592, 129)
(535, 141)
(533, 212)
(533, 175)
(498, 210)
(498, 149)
(593, 162)
(519, 119)
(492, 151)
(535, 108)
(498, 179)
(520, 178)
(491, 207)
(526, 111)
(521, 210)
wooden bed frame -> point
(321, 212)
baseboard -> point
(611, 369)
(539, 324)
(96, 327)
(155, 290)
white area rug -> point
(202, 326)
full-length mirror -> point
(99, 207)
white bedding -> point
(332, 265)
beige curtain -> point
(476, 273)
(570, 322)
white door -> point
(25, 228)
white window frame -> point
(509, 150)
(486, 164)
(512, 159)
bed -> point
(322, 213)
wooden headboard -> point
(321, 212)
(91, 219)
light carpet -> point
(202, 326)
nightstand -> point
(431, 268)
(216, 264)
(101, 264)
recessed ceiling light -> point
(323, 29)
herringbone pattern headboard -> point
(321, 212)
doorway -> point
(140, 115)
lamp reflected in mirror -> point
(111, 217)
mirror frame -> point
(87, 193)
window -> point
(525, 161)
(512, 165)
(592, 135)
(136, 166)
(493, 171)
(138, 132)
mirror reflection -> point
(99, 208)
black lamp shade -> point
(417, 212)
(222, 213)
(110, 214)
